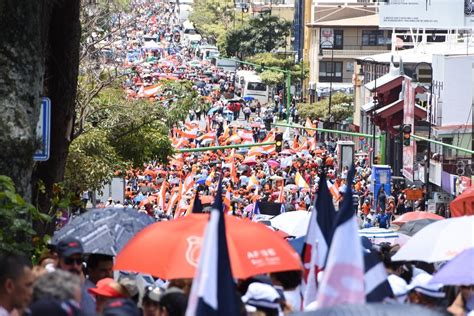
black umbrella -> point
(377, 309)
(412, 227)
(104, 231)
(243, 168)
(200, 84)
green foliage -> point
(260, 35)
(212, 19)
(271, 60)
(341, 108)
(119, 133)
(272, 78)
(91, 161)
(16, 217)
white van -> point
(240, 79)
(207, 52)
(253, 87)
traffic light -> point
(245, 8)
(406, 134)
(278, 142)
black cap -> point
(69, 246)
(121, 307)
(52, 307)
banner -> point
(327, 38)
(382, 175)
(409, 119)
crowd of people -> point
(67, 281)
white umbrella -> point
(293, 223)
(439, 241)
(378, 235)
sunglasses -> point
(71, 261)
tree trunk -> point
(21, 84)
(62, 64)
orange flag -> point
(310, 125)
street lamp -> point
(321, 55)
(427, 165)
(375, 100)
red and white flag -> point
(317, 241)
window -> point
(338, 39)
(447, 152)
(373, 38)
(258, 86)
(331, 37)
(326, 72)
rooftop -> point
(423, 53)
(368, 20)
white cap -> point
(399, 287)
(261, 295)
(420, 283)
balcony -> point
(353, 52)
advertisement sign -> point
(431, 14)
(327, 38)
(409, 119)
(382, 175)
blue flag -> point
(377, 287)
(326, 213)
(197, 205)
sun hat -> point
(108, 287)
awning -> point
(397, 106)
(368, 106)
(386, 82)
(390, 109)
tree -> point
(67, 48)
(120, 133)
(273, 78)
(341, 108)
(21, 85)
(260, 35)
(212, 19)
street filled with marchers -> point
(257, 212)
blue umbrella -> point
(104, 231)
(249, 98)
(458, 271)
(139, 198)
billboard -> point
(430, 14)
(409, 119)
(327, 38)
